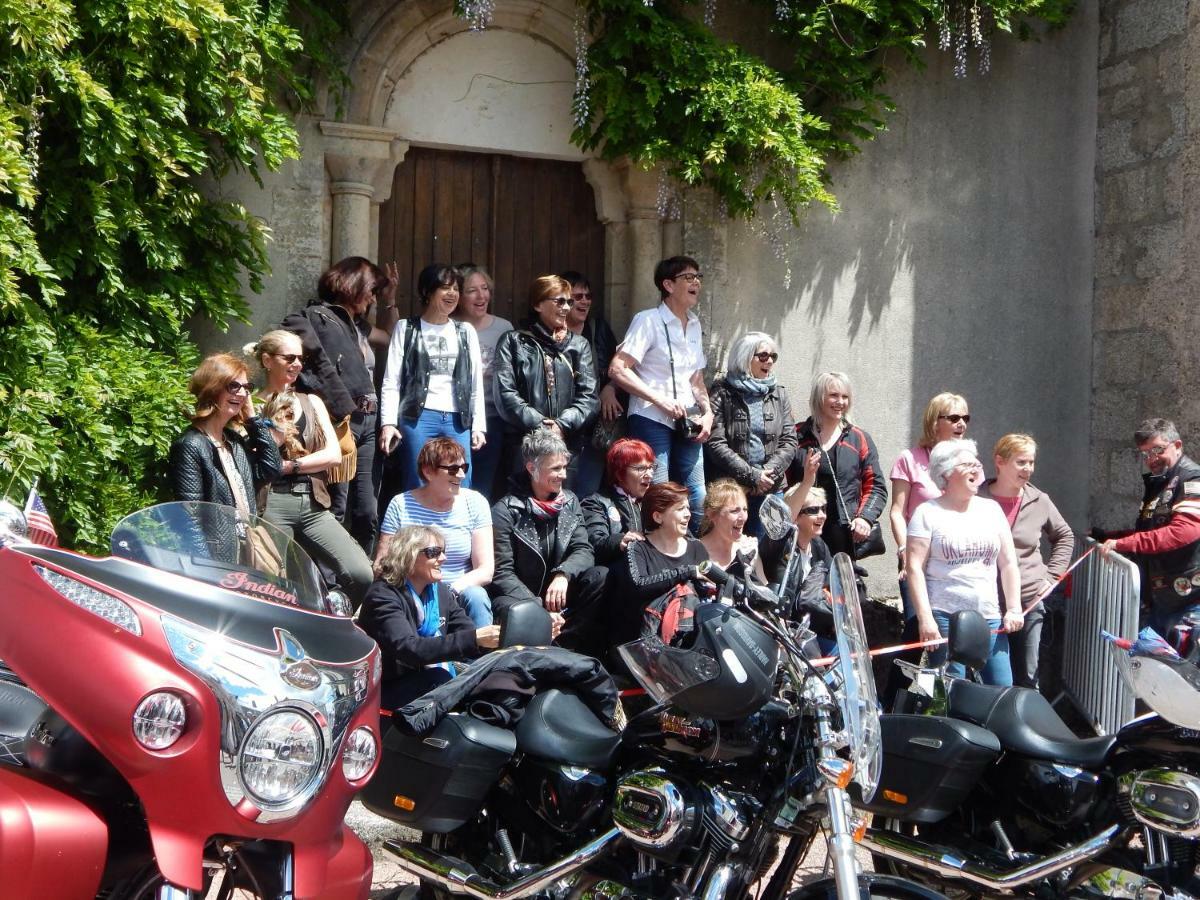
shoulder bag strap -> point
(836, 487)
(671, 357)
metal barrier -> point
(1105, 593)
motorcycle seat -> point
(19, 709)
(1025, 723)
(559, 727)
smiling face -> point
(444, 300)
(547, 475)
(809, 522)
(234, 396)
(729, 521)
(476, 296)
(581, 303)
(836, 402)
(673, 521)
(284, 364)
(552, 312)
(947, 428)
(1016, 470)
(426, 570)
(445, 479)
(1158, 454)
(684, 289)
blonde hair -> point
(821, 385)
(271, 342)
(816, 497)
(719, 494)
(208, 383)
(401, 554)
(1012, 444)
(938, 406)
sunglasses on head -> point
(955, 418)
(433, 552)
(239, 387)
(764, 356)
(452, 468)
(289, 358)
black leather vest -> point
(1174, 576)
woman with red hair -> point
(613, 514)
(650, 568)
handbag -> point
(262, 551)
(348, 467)
(873, 544)
(690, 425)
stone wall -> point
(1147, 293)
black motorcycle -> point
(742, 749)
(989, 791)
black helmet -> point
(747, 658)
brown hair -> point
(345, 281)
(439, 451)
(659, 498)
(719, 494)
(546, 286)
(208, 382)
(279, 409)
(938, 406)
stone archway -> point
(419, 75)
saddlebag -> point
(436, 782)
(929, 766)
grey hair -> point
(945, 455)
(401, 554)
(821, 385)
(469, 269)
(744, 349)
(1152, 428)
(540, 443)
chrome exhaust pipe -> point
(945, 862)
(443, 870)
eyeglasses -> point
(641, 468)
(239, 387)
(812, 511)
(582, 295)
(968, 465)
(563, 301)
(289, 358)
(766, 357)
(689, 277)
(1150, 453)
(955, 418)
(433, 552)
(453, 468)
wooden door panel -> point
(520, 217)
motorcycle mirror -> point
(13, 527)
(339, 604)
(775, 516)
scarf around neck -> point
(754, 391)
(427, 605)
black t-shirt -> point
(643, 574)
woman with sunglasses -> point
(299, 499)
(227, 453)
(809, 576)
(754, 435)
(419, 625)
(461, 514)
(544, 375)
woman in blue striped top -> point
(463, 516)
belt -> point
(366, 404)
(292, 486)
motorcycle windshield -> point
(1159, 677)
(665, 672)
(211, 543)
(860, 707)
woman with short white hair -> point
(754, 435)
(956, 543)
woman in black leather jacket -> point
(228, 452)
(543, 373)
(614, 513)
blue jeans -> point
(675, 459)
(486, 461)
(430, 424)
(478, 604)
(997, 670)
(590, 475)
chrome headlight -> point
(281, 757)
(359, 754)
(158, 720)
(13, 527)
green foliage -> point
(110, 113)
(663, 90)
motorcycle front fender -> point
(869, 885)
(51, 843)
(344, 875)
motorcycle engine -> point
(1166, 800)
(662, 817)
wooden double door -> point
(517, 217)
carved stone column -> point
(361, 161)
(645, 234)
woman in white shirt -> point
(955, 544)
(433, 383)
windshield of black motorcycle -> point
(211, 543)
(665, 672)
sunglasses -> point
(453, 468)
(289, 358)
(562, 301)
(1152, 453)
(582, 295)
(955, 418)
(766, 357)
(239, 387)
(812, 510)
(433, 552)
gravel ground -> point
(388, 878)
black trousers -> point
(356, 503)
(583, 630)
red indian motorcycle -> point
(190, 716)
